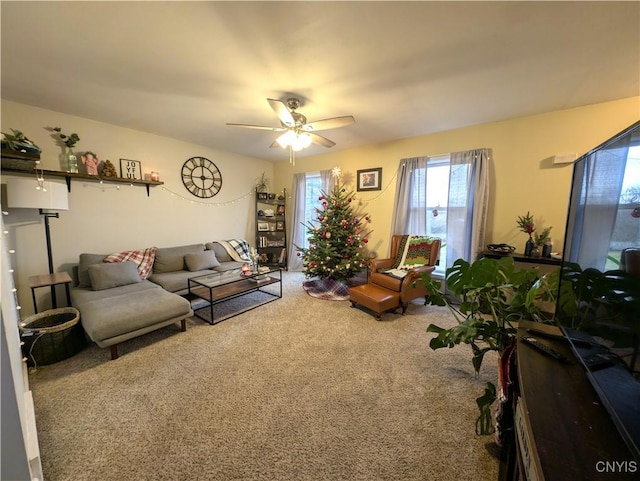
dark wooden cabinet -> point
(561, 429)
(271, 228)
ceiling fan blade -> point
(261, 127)
(327, 124)
(282, 112)
(318, 139)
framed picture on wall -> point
(369, 179)
(130, 169)
(279, 225)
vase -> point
(535, 252)
(72, 162)
(528, 247)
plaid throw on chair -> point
(414, 251)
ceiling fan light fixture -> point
(286, 139)
(302, 141)
(297, 141)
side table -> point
(50, 280)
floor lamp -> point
(41, 195)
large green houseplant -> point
(487, 298)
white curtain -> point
(410, 213)
(467, 205)
(597, 183)
(327, 181)
(297, 229)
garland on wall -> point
(105, 185)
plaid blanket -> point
(238, 249)
(142, 258)
(327, 289)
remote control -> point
(598, 360)
(560, 337)
(532, 341)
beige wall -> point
(522, 176)
(104, 219)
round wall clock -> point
(201, 177)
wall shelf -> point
(68, 176)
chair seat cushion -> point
(385, 280)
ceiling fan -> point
(297, 134)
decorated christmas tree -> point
(336, 238)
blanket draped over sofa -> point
(238, 249)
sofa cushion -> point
(201, 260)
(108, 275)
(142, 258)
(221, 253)
(170, 259)
(130, 312)
(85, 261)
(177, 281)
(228, 266)
(82, 295)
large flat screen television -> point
(598, 304)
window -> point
(445, 196)
(625, 229)
(313, 190)
(437, 194)
(430, 188)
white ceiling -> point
(402, 69)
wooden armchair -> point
(405, 287)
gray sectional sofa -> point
(116, 303)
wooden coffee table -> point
(223, 286)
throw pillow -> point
(143, 259)
(108, 275)
(171, 259)
(414, 251)
(201, 260)
(83, 268)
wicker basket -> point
(52, 336)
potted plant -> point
(262, 183)
(490, 297)
(18, 142)
(69, 141)
(19, 152)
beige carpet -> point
(299, 389)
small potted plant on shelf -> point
(19, 152)
(69, 141)
(527, 225)
(262, 183)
